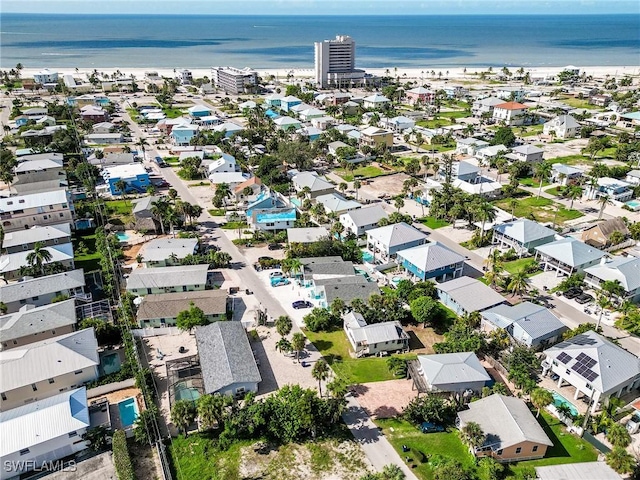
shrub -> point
(121, 457)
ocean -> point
(140, 41)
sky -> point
(323, 7)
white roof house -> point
(228, 127)
(362, 219)
(375, 101)
(466, 295)
(306, 235)
(522, 235)
(168, 279)
(578, 471)
(35, 290)
(453, 372)
(563, 126)
(287, 123)
(11, 263)
(568, 255)
(161, 250)
(36, 234)
(24, 202)
(317, 185)
(371, 339)
(625, 270)
(337, 204)
(390, 239)
(38, 165)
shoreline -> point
(457, 73)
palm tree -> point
(223, 192)
(621, 460)
(399, 203)
(564, 411)
(603, 302)
(513, 203)
(38, 257)
(603, 201)
(356, 186)
(618, 435)
(210, 410)
(183, 413)
(142, 143)
(298, 342)
(542, 171)
(486, 212)
(320, 372)
(283, 325)
(160, 209)
(574, 192)
(473, 435)
(283, 345)
(540, 398)
(518, 283)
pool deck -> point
(567, 392)
(116, 397)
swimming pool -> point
(560, 400)
(122, 237)
(366, 256)
(396, 280)
(110, 363)
(128, 409)
(184, 391)
(633, 204)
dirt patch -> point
(145, 461)
(388, 184)
(421, 339)
(322, 460)
(119, 395)
(131, 252)
(385, 399)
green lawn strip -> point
(579, 103)
(567, 448)
(216, 212)
(531, 131)
(446, 444)
(89, 259)
(172, 112)
(455, 114)
(199, 184)
(543, 209)
(197, 457)
(368, 171)
(119, 207)
(532, 182)
(517, 265)
(572, 160)
(553, 191)
(172, 160)
(438, 147)
(607, 152)
(433, 222)
(234, 225)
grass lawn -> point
(532, 130)
(445, 444)
(88, 259)
(199, 184)
(172, 160)
(567, 448)
(436, 122)
(607, 152)
(455, 114)
(542, 209)
(216, 212)
(118, 207)
(438, 147)
(553, 191)
(367, 171)
(572, 160)
(433, 222)
(334, 346)
(532, 182)
(234, 225)
(172, 112)
(517, 265)
(578, 103)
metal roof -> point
(46, 359)
(365, 216)
(334, 202)
(451, 368)
(378, 332)
(329, 268)
(35, 287)
(578, 471)
(306, 235)
(39, 422)
(613, 365)
(506, 421)
(537, 321)
(472, 295)
(36, 234)
(624, 269)
(38, 165)
(162, 277)
(348, 291)
(396, 234)
(311, 180)
(225, 356)
(31, 320)
(24, 202)
(571, 252)
(12, 262)
(162, 248)
(169, 305)
(431, 256)
(524, 230)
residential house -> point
(456, 373)
(93, 114)
(600, 100)
(577, 471)
(455, 91)
(487, 154)
(225, 163)
(511, 113)
(527, 323)
(526, 153)
(272, 219)
(350, 108)
(31, 324)
(35, 112)
(265, 200)
(484, 107)
(316, 184)
(466, 295)
(273, 100)
(209, 121)
(334, 147)
(45, 368)
(336, 203)
(89, 99)
(11, 264)
(599, 235)
(183, 134)
(322, 268)
(185, 278)
(346, 288)
(310, 113)
(23, 240)
(431, 261)
(510, 93)
(374, 339)
(625, 270)
(111, 159)
(45, 76)
(310, 133)
(420, 95)
(31, 437)
(567, 256)
(25, 211)
(427, 188)
(523, 235)
(35, 175)
(286, 103)
(229, 129)
(397, 124)
(226, 359)
(512, 433)
(232, 179)
(167, 252)
(307, 234)
(374, 136)
(166, 125)
(633, 177)
(469, 146)
(186, 77)
(40, 291)
(103, 127)
(241, 192)
(143, 214)
(565, 174)
(362, 220)
(597, 368)
(162, 310)
(103, 138)
(613, 188)
(198, 111)
(135, 177)
(287, 124)
(464, 171)
(385, 242)
(562, 126)
(375, 102)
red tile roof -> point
(511, 106)
(248, 183)
(636, 405)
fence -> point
(110, 387)
(627, 243)
(155, 332)
(497, 365)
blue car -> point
(279, 281)
(428, 427)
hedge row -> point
(121, 457)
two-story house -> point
(526, 153)
(484, 106)
(166, 252)
(376, 338)
(134, 176)
(163, 310)
(431, 261)
(25, 211)
(511, 113)
(562, 126)
(385, 242)
(312, 184)
(374, 136)
(185, 278)
(35, 175)
(361, 220)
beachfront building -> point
(510, 113)
(45, 76)
(234, 80)
(335, 63)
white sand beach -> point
(405, 73)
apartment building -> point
(335, 62)
(234, 80)
(25, 211)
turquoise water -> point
(634, 204)
(366, 256)
(560, 400)
(110, 363)
(396, 280)
(296, 201)
(128, 411)
(185, 392)
(121, 236)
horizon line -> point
(178, 14)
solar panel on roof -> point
(564, 358)
(583, 340)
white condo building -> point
(234, 80)
(335, 62)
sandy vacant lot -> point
(385, 399)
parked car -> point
(276, 274)
(278, 282)
(301, 304)
(584, 298)
(572, 293)
(428, 427)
